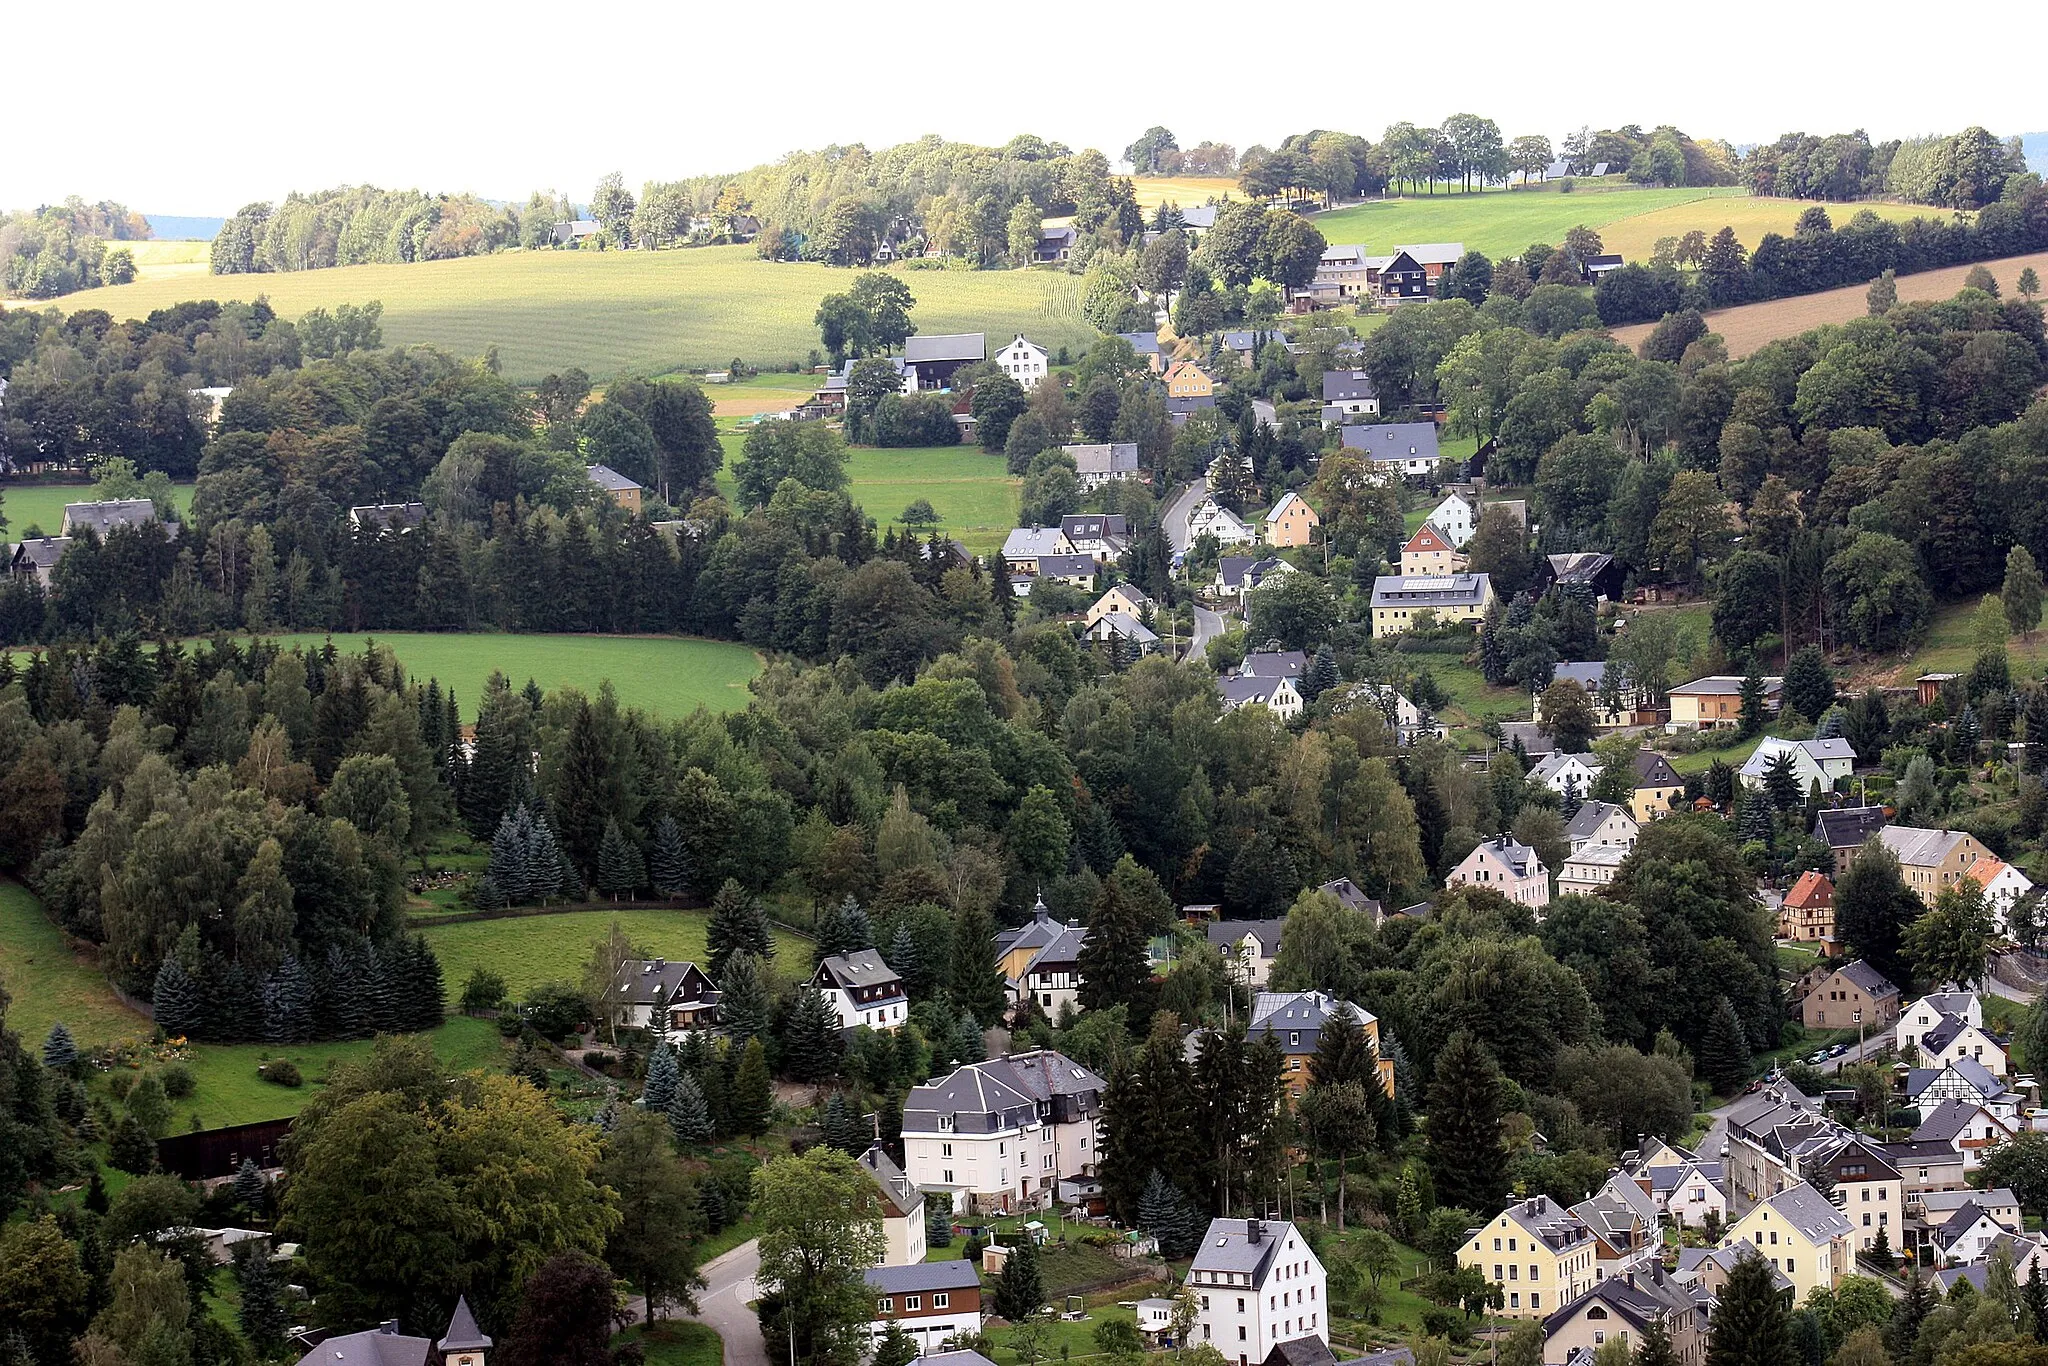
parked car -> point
(1838, 1050)
(1816, 1059)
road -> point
(725, 1304)
(1208, 625)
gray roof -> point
(1024, 542)
(1181, 407)
(1945, 1032)
(1848, 826)
(609, 479)
(1435, 253)
(1654, 770)
(1867, 977)
(1511, 851)
(1807, 1210)
(1274, 664)
(1638, 1298)
(658, 981)
(1245, 340)
(1199, 216)
(1393, 440)
(1962, 1221)
(1916, 846)
(1582, 566)
(463, 1335)
(960, 346)
(1065, 947)
(1921, 1152)
(1727, 685)
(1588, 674)
(1429, 590)
(1229, 933)
(1144, 343)
(396, 516)
(42, 553)
(962, 1357)
(1095, 525)
(1391, 1356)
(1127, 626)
(374, 1348)
(1589, 818)
(1303, 1351)
(101, 518)
(1002, 1093)
(1342, 385)
(1034, 933)
(1238, 691)
(1228, 1246)
(898, 1190)
(1303, 1012)
(1067, 566)
(1115, 457)
(1691, 1259)
(1046, 1072)
(956, 1273)
(1978, 1274)
(1353, 897)
(863, 969)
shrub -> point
(177, 1080)
(120, 1084)
(483, 992)
(280, 1072)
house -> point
(1770, 1135)
(1623, 1308)
(1930, 1010)
(1237, 575)
(1126, 598)
(862, 990)
(1601, 825)
(1686, 1190)
(933, 360)
(1290, 522)
(1600, 576)
(576, 231)
(1807, 914)
(1274, 664)
(464, 1344)
(1248, 947)
(667, 998)
(1105, 463)
(1593, 267)
(1503, 865)
(1931, 861)
(1966, 1236)
(1076, 571)
(1103, 535)
(1705, 1270)
(1155, 1320)
(1146, 344)
(1537, 1253)
(1625, 1226)
(1815, 763)
(2004, 886)
(398, 517)
(1347, 396)
(1055, 244)
(1455, 518)
(1626, 705)
(1953, 1039)
(37, 559)
(1244, 344)
(1844, 830)
(1927, 1169)
(1114, 626)
(1343, 275)
(1434, 257)
(1964, 1079)
(1802, 1234)
(1867, 1188)
(1017, 946)
(1967, 1127)
(1429, 551)
(1352, 898)
(1295, 1020)
(1051, 978)
(1407, 448)
(930, 1301)
(1566, 774)
(104, 518)
(1658, 788)
(1185, 379)
(1023, 361)
(1397, 601)
(1716, 702)
(1401, 276)
(1590, 869)
(903, 1230)
(1258, 1283)
(1929, 686)
(1277, 695)
(1024, 546)
(999, 1135)
(1210, 518)
(1179, 409)
(1937, 1207)
(1853, 995)
(618, 487)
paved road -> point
(1208, 625)
(724, 1304)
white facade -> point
(1608, 826)
(980, 1135)
(2004, 886)
(1694, 1194)
(1022, 361)
(862, 990)
(1211, 518)
(1925, 1013)
(1968, 1042)
(1565, 772)
(1454, 518)
(1257, 1285)
(1590, 869)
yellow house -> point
(1295, 1020)
(1185, 379)
(1127, 598)
(1803, 1235)
(1706, 703)
(1397, 600)
(1931, 861)
(623, 491)
(1291, 522)
(1537, 1253)
(1658, 789)
(1429, 551)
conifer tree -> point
(662, 1072)
(1750, 1326)
(568, 880)
(508, 863)
(1902, 1332)
(810, 1038)
(968, 1044)
(844, 929)
(714, 1079)
(1114, 962)
(1754, 821)
(1020, 1289)
(249, 1186)
(1322, 674)
(1169, 1217)
(904, 958)
(263, 1313)
(840, 1127)
(132, 1149)
(615, 859)
(976, 983)
(426, 991)
(60, 1051)
(689, 1119)
(668, 863)
(96, 1198)
(2021, 593)
(753, 1096)
(288, 1003)
(1724, 1058)
(738, 925)
(548, 873)
(1466, 1160)
(1752, 719)
(175, 1000)
(1656, 1348)
(743, 1006)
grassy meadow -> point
(618, 311)
(667, 675)
(42, 505)
(529, 950)
(167, 260)
(47, 982)
(1503, 222)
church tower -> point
(464, 1344)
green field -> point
(1951, 647)
(677, 1342)
(42, 505)
(621, 310)
(971, 490)
(666, 675)
(529, 950)
(47, 982)
(1503, 222)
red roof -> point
(1810, 891)
(1426, 537)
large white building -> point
(1000, 1135)
(863, 990)
(1258, 1285)
(1023, 361)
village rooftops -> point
(101, 518)
(1848, 826)
(960, 346)
(1807, 1210)
(1348, 386)
(1105, 459)
(1227, 933)
(1868, 978)
(1025, 543)
(1915, 846)
(854, 971)
(1144, 343)
(1242, 1246)
(1299, 1012)
(1589, 818)
(610, 480)
(1274, 664)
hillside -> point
(1750, 326)
(611, 312)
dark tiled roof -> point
(956, 1273)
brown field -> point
(1750, 326)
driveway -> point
(1208, 625)
(725, 1304)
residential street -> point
(725, 1304)
(1208, 625)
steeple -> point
(1038, 911)
(464, 1344)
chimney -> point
(388, 1326)
(1254, 1231)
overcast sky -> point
(199, 110)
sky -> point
(501, 100)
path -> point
(1208, 625)
(724, 1304)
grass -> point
(1951, 645)
(1735, 756)
(666, 675)
(971, 490)
(1795, 959)
(677, 1342)
(1503, 222)
(1751, 216)
(42, 505)
(47, 982)
(619, 311)
(529, 950)
(171, 259)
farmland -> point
(666, 675)
(1749, 326)
(1503, 222)
(612, 312)
(42, 505)
(1751, 217)
(528, 950)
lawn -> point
(1735, 756)
(1503, 222)
(531, 949)
(42, 505)
(677, 1342)
(1951, 645)
(972, 491)
(170, 259)
(616, 311)
(666, 675)
(48, 982)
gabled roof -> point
(1812, 889)
(1587, 673)
(1868, 978)
(103, 517)
(1771, 746)
(1950, 1119)
(1352, 896)
(1848, 826)
(1435, 253)
(1348, 386)
(1144, 343)
(1946, 1031)
(1026, 542)
(1691, 1259)
(1558, 761)
(899, 1193)
(1550, 1223)
(862, 969)
(1305, 1351)
(959, 346)
(1427, 539)
(1725, 685)
(1108, 457)
(1654, 770)
(1393, 440)
(1807, 1210)
(1065, 947)
(1519, 857)
(1067, 566)
(1125, 625)
(1274, 664)
(377, 1347)
(1289, 501)
(1228, 1246)
(1590, 817)
(1044, 1073)
(610, 480)
(956, 1273)
(1229, 933)
(1920, 848)
(1238, 691)
(1967, 1217)
(1305, 1011)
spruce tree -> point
(976, 983)
(1466, 1160)
(1656, 1348)
(1322, 674)
(689, 1119)
(1750, 1326)
(1809, 684)
(96, 1198)
(714, 1079)
(548, 873)
(60, 1051)
(263, 1314)
(1020, 1290)
(840, 1127)
(1724, 1057)
(844, 929)
(131, 1148)
(810, 1038)
(508, 863)
(1169, 1217)
(2034, 1304)
(753, 1096)
(1752, 719)
(249, 1186)
(175, 1000)
(426, 993)
(1754, 822)
(288, 1003)
(662, 1072)
(668, 863)
(240, 1005)
(904, 958)
(615, 859)
(743, 1005)
(1114, 961)
(738, 925)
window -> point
(911, 1302)
(941, 1300)
(948, 1176)
(1240, 1332)
(1535, 1300)
(945, 1150)
(884, 1305)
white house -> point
(1589, 869)
(1954, 1039)
(1967, 1127)
(1000, 1135)
(1563, 773)
(1601, 824)
(1967, 1235)
(1455, 519)
(1258, 1284)
(2004, 886)
(1122, 626)
(1105, 463)
(1813, 761)
(863, 990)
(903, 1229)
(1211, 518)
(1277, 695)
(1503, 865)
(1686, 1192)
(1927, 1012)
(1237, 575)
(1023, 361)
(1248, 948)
